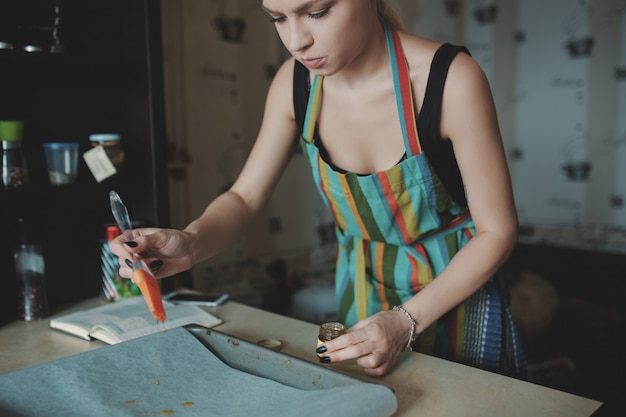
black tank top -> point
(440, 152)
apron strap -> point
(404, 91)
(312, 109)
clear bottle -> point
(30, 272)
(14, 170)
(329, 331)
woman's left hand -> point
(375, 342)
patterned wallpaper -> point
(558, 74)
(219, 58)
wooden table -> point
(424, 385)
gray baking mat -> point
(171, 373)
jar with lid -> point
(14, 170)
(329, 331)
(112, 144)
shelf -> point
(109, 80)
(12, 60)
(51, 193)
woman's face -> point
(325, 35)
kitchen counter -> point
(424, 385)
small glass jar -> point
(14, 172)
(329, 331)
(112, 144)
(30, 271)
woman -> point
(419, 248)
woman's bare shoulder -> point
(280, 92)
(419, 51)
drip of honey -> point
(166, 412)
(158, 381)
(156, 352)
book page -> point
(129, 319)
(143, 324)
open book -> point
(128, 319)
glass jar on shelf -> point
(14, 170)
(30, 271)
(112, 144)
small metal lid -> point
(11, 130)
(273, 344)
(104, 137)
(32, 48)
(10, 144)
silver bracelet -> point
(412, 336)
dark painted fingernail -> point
(128, 263)
(156, 264)
(321, 349)
(325, 359)
(131, 243)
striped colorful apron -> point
(397, 230)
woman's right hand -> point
(165, 251)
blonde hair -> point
(387, 12)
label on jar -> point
(99, 163)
